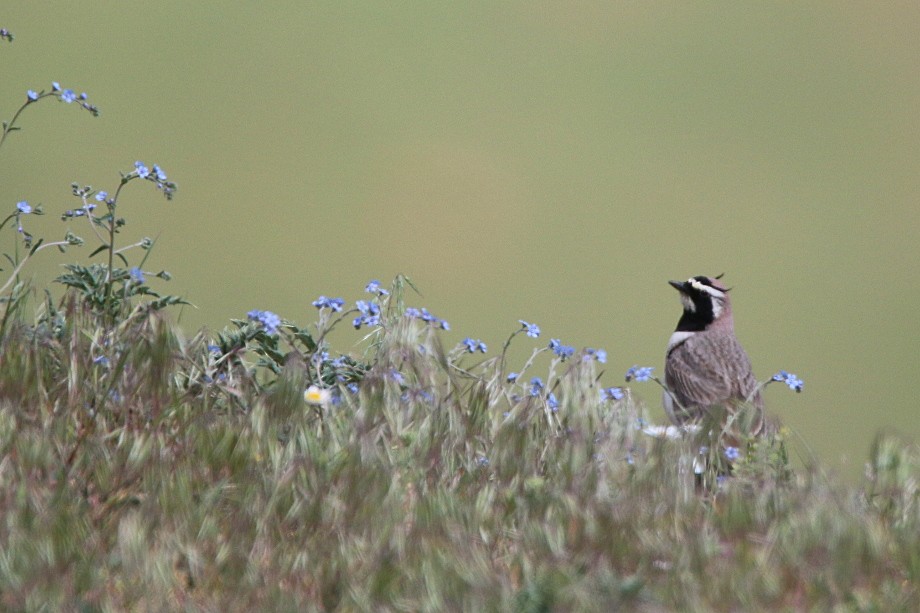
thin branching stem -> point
(10, 126)
(15, 273)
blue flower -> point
(599, 354)
(55, 86)
(368, 308)
(335, 304)
(512, 377)
(789, 379)
(101, 196)
(427, 317)
(68, 96)
(142, 171)
(374, 288)
(732, 453)
(23, 207)
(161, 176)
(213, 349)
(563, 351)
(552, 403)
(533, 330)
(32, 95)
(473, 345)
(370, 314)
(611, 393)
(137, 275)
(6, 35)
(482, 461)
(536, 386)
(352, 387)
(640, 374)
(269, 320)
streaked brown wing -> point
(697, 372)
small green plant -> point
(105, 288)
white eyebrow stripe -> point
(715, 293)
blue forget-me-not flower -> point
(639, 373)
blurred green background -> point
(556, 162)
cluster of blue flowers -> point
(639, 373)
(536, 387)
(473, 345)
(563, 351)
(789, 379)
(370, 314)
(424, 315)
(370, 311)
(67, 95)
(269, 321)
(156, 175)
(333, 304)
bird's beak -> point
(680, 286)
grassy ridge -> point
(144, 471)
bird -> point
(705, 365)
